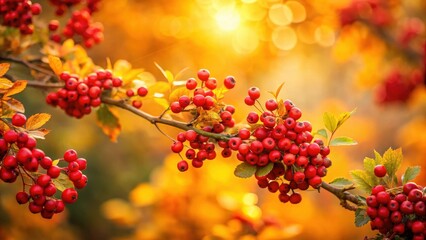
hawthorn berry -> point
(380, 171)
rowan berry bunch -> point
(63, 5)
(79, 96)
(18, 14)
(41, 177)
(397, 87)
(80, 26)
(203, 103)
(134, 96)
(277, 137)
(398, 212)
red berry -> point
(199, 100)
(70, 155)
(254, 93)
(142, 91)
(177, 147)
(18, 119)
(69, 195)
(36, 9)
(203, 74)
(295, 198)
(182, 166)
(380, 171)
(44, 180)
(175, 107)
(271, 105)
(211, 83)
(191, 84)
(229, 82)
(10, 136)
(22, 197)
(54, 171)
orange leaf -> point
(37, 120)
(56, 64)
(109, 122)
(17, 87)
(14, 105)
(4, 67)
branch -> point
(343, 195)
(155, 120)
(28, 64)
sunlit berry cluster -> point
(63, 5)
(81, 27)
(40, 175)
(202, 99)
(18, 14)
(79, 95)
(398, 213)
(278, 137)
(375, 11)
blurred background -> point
(333, 56)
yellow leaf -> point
(39, 133)
(56, 64)
(5, 83)
(162, 102)
(177, 93)
(109, 64)
(17, 87)
(159, 87)
(37, 120)
(121, 67)
(166, 73)
(80, 54)
(4, 67)
(14, 105)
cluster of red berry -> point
(374, 11)
(204, 99)
(279, 138)
(397, 87)
(63, 5)
(401, 213)
(80, 24)
(79, 95)
(276, 137)
(20, 157)
(18, 14)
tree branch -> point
(155, 120)
(28, 64)
(343, 195)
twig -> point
(343, 195)
(28, 64)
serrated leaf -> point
(17, 87)
(177, 93)
(378, 158)
(109, 122)
(330, 121)
(342, 141)
(4, 67)
(369, 165)
(245, 170)
(264, 170)
(62, 182)
(277, 92)
(39, 133)
(361, 217)
(410, 173)
(392, 160)
(220, 92)
(55, 64)
(37, 120)
(341, 183)
(166, 73)
(362, 180)
(322, 132)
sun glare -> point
(227, 19)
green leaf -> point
(361, 217)
(369, 165)
(378, 158)
(362, 180)
(343, 141)
(392, 160)
(322, 132)
(263, 171)
(410, 173)
(62, 182)
(330, 121)
(341, 183)
(245, 170)
(109, 122)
